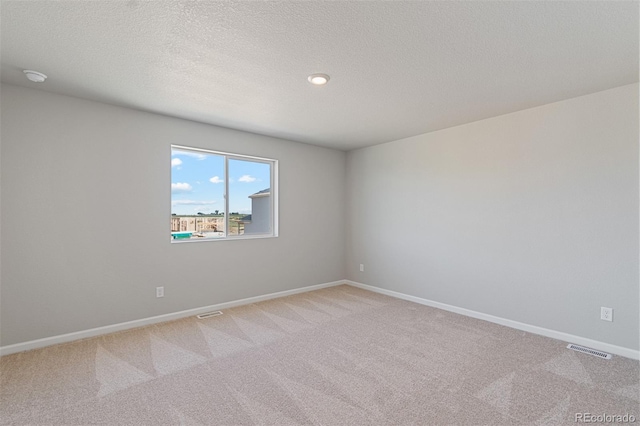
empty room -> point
(319, 213)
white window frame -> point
(273, 189)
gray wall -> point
(530, 216)
(75, 172)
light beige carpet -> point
(338, 356)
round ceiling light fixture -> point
(318, 79)
(35, 76)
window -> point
(217, 195)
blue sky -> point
(197, 182)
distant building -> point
(197, 224)
(259, 221)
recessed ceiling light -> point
(35, 76)
(318, 79)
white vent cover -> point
(589, 351)
(209, 314)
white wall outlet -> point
(361, 267)
(606, 314)
(159, 291)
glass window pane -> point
(250, 201)
(197, 195)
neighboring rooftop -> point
(262, 193)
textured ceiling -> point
(397, 68)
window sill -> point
(239, 237)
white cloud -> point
(188, 154)
(246, 178)
(181, 187)
(191, 203)
(175, 162)
(216, 179)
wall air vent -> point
(589, 351)
(209, 314)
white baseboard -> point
(569, 338)
(69, 337)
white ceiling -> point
(397, 68)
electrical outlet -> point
(606, 314)
(159, 291)
(361, 267)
